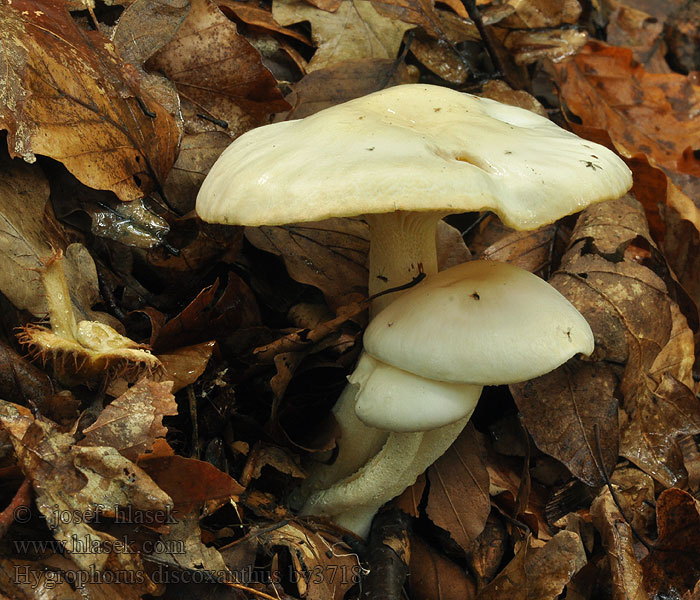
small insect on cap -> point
(410, 148)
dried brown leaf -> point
(644, 113)
(68, 96)
(188, 481)
(459, 499)
(432, 575)
(132, 422)
(355, 31)
(561, 411)
(185, 365)
(618, 541)
(81, 480)
(673, 565)
(636, 324)
(538, 14)
(527, 47)
(345, 81)
(315, 551)
(218, 70)
(208, 317)
(538, 573)
(330, 255)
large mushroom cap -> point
(481, 322)
(413, 148)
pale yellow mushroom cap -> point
(413, 148)
(481, 322)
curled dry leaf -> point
(644, 113)
(356, 30)
(185, 365)
(618, 541)
(538, 573)
(459, 499)
(539, 14)
(67, 96)
(528, 47)
(218, 71)
(315, 551)
(132, 422)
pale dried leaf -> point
(132, 422)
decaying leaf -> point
(189, 482)
(459, 489)
(561, 410)
(324, 567)
(132, 422)
(618, 541)
(432, 575)
(634, 323)
(538, 573)
(330, 255)
(67, 96)
(95, 480)
(217, 70)
(345, 81)
(674, 561)
(356, 30)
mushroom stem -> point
(58, 299)
(353, 501)
(402, 245)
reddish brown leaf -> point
(260, 17)
(133, 421)
(189, 482)
(208, 317)
(68, 97)
(674, 561)
(644, 113)
(459, 489)
(185, 365)
(216, 69)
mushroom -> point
(427, 356)
(405, 157)
(81, 351)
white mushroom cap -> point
(395, 400)
(411, 148)
(482, 322)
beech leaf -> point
(66, 95)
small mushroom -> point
(81, 351)
(427, 356)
